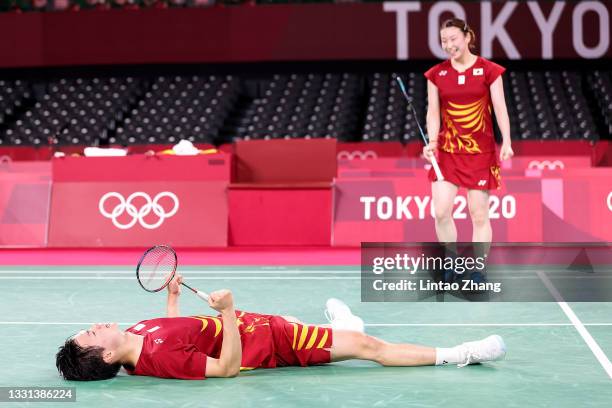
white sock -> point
(453, 355)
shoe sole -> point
(361, 324)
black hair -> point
(464, 27)
(83, 363)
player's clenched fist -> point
(221, 300)
(174, 287)
(429, 151)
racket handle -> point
(202, 295)
(436, 168)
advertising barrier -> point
(565, 206)
(140, 201)
(25, 188)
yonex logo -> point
(357, 154)
(442, 73)
(482, 182)
(546, 164)
(609, 201)
(138, 215)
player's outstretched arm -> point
(228, 363)
(174, 292)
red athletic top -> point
(465, 105)
(177, 347)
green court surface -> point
(548, 363)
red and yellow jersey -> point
(178, 347)
(465, 106)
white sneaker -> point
(340, 316)
(489, 349)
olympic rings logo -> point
(138, 215)
(546, 164)
(609, 201)
(346, 155)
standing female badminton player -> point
(197, 347)
(461, 92)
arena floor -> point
(548, 363)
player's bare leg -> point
(443, 194)
(478, 203)
(354, 345)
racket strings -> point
(157, 268)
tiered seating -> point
(309, 106)
(14, 95)
(175, 108)
(388, 116)
(542, 105)
(548, 105)
(600, 83)
(75, 111)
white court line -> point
(367, 324)
(234, 271)
(586, 336)
(189, 278)
(189, 272)
(222, 277)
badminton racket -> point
(156, 270)
(434, 162)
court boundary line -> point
(580, 327)
(220, 276)
(254, 269)
(24, 323)
(265, 272)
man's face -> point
(104, 335)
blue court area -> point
(549, 363)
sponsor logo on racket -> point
(138, 215)
(609, 201)
(357, 154)
(546, 164)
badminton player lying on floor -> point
(197, 347)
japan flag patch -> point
(478, 71)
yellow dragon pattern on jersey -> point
(206, 320)
(471, 118)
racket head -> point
(156, 268)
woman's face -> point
(454, 41)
